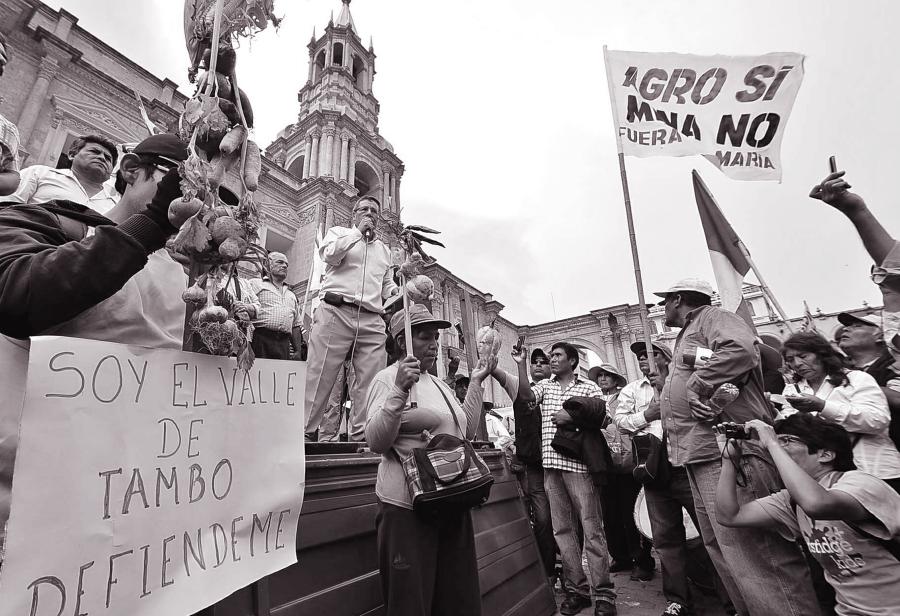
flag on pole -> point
(314, 284)
(732, 110)
(729, 262)
(809, 324)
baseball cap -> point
(639, 347)
(594, 373)
(845, 318)
(418, 315)
(686, 284)
(166, 146)
(538, 352)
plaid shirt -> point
(550, 396)
(279, 308)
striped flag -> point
(726, 251)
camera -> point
(729, 429)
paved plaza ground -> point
(646, 598)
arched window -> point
(359, 73)
(337, 54)
(296, 167)
(365, 180)
(319, 65)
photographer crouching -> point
(849, 520)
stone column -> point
(307, 153)
(36, 98)
(386, 188)
(314, 155)
(394, 203)
(351, 164)
(336, 157)
(345, 155)
(611, 352)
(329, 215)
(325, 159)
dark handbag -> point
(651, 460)
(447, 474)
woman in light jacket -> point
(427, 563)
(850, 398)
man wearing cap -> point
(527, 416)
(358, 279)
(861, 339)
(67, 270)
(93, 158)
(277, 317)
(627, 549)
(717, 347)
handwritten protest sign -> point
(731, 109)
(150, 481)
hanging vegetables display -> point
(216, 125)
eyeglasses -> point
(880, 275)
(788, 439)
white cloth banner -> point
(733, 110)
(150, 481)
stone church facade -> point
(63, 82)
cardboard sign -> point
(733, 110)
(150, 481)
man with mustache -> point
(93, 158)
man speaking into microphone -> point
(348, 322)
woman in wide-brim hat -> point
(426, 563)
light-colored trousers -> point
(334, 331)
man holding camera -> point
(849, 520)
(358, 278)
(716, 347)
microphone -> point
(368, 234)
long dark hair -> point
(811, 342)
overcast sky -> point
(500, 112)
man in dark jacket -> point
(66, 269)
(527, 416)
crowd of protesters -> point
(790, 477)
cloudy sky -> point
(500, 112)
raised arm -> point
(834, 190)
(817, 501)
(385, 404)
(524, 392)
(338, 241)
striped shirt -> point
(279, 308)
(551, 396)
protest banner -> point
(733, 110)
(150, 481)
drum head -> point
(642, 519)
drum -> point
(642, 521)
(699, 567)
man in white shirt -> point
(358, 278)
(86, 183)
(638, 412)
(275, 311)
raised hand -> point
(408, 371)
(834, 190)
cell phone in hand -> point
(832, 164)
(520, 344)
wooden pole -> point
(407, 333)
(645, 318)
(764, 286)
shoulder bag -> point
(447, 474)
